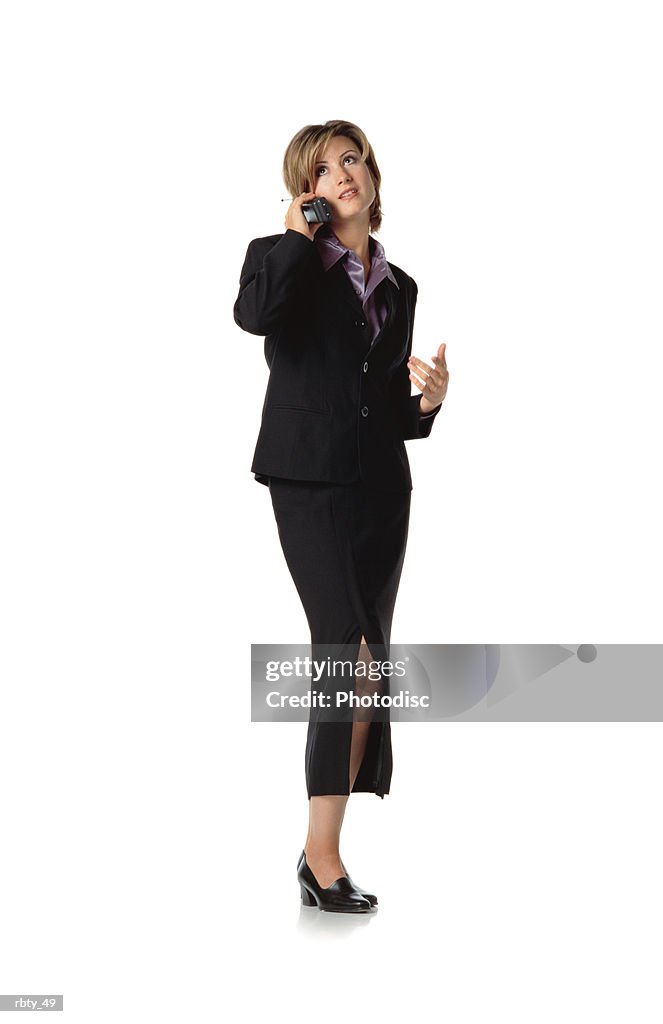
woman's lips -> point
(352, 196)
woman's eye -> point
(348, 157)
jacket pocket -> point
(299, 408)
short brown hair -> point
(310, 143)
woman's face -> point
(341, 168)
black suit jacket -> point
(336, 407)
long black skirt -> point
(344, 545)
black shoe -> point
(340, 896)
(373, 900)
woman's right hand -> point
(295, 219)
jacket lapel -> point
(390, 293)
(342, 288)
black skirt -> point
(344, 545)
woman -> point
(337, 320)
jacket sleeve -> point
(406, 406)
(268, 281)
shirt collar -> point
(331, 250)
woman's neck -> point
(357, 238)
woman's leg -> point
(362, 717)
(324, 830)
(326, 813)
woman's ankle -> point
(321, 852)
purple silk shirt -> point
(332, 250)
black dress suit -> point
(336, 408)
(331, 448)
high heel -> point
(339, 897)
(307, 899)
(373, 900)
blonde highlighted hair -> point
(308, 145)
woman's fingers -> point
(295, 218)
(420, 363)
(421, 382)
(422, 368)
(434, 378)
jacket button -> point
(365, 367)
(364, 410)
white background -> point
(149, 831)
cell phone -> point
(317, 211)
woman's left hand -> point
(431, 381)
